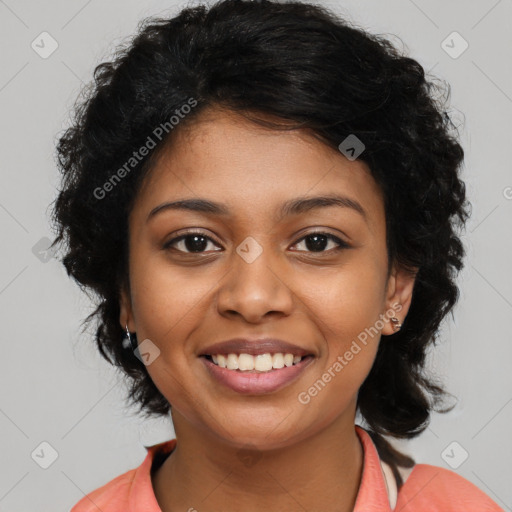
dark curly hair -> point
(285, 66)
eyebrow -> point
(291, 207)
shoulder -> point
(131, 490)
(438, 489)
(110, 496)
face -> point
(315, 276)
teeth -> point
(245, 361)
(263, 362)
(260, 362)
(232, 362)
(278, 361)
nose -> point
(255, 289)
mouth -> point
(245, 362)
(256, 375)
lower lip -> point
(254, 382)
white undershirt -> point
(390, 481)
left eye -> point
(316, 242)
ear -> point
(398, 296)
(126, 311)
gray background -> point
(56, 389)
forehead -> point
(227, 158)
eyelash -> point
(341, 244)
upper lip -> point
(254, 347)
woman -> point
(266, 201)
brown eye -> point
(318, 242)
(192, 243)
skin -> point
(305, 456)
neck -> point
(321, 472)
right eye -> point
(193, 242)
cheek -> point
(346, 309)
(167, 305)
(167, 300)
(348, 302)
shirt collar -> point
(372, 495)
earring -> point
(132, 338)
(396, 323)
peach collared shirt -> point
(426, 489)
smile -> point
(262, 377)
(261, 362)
